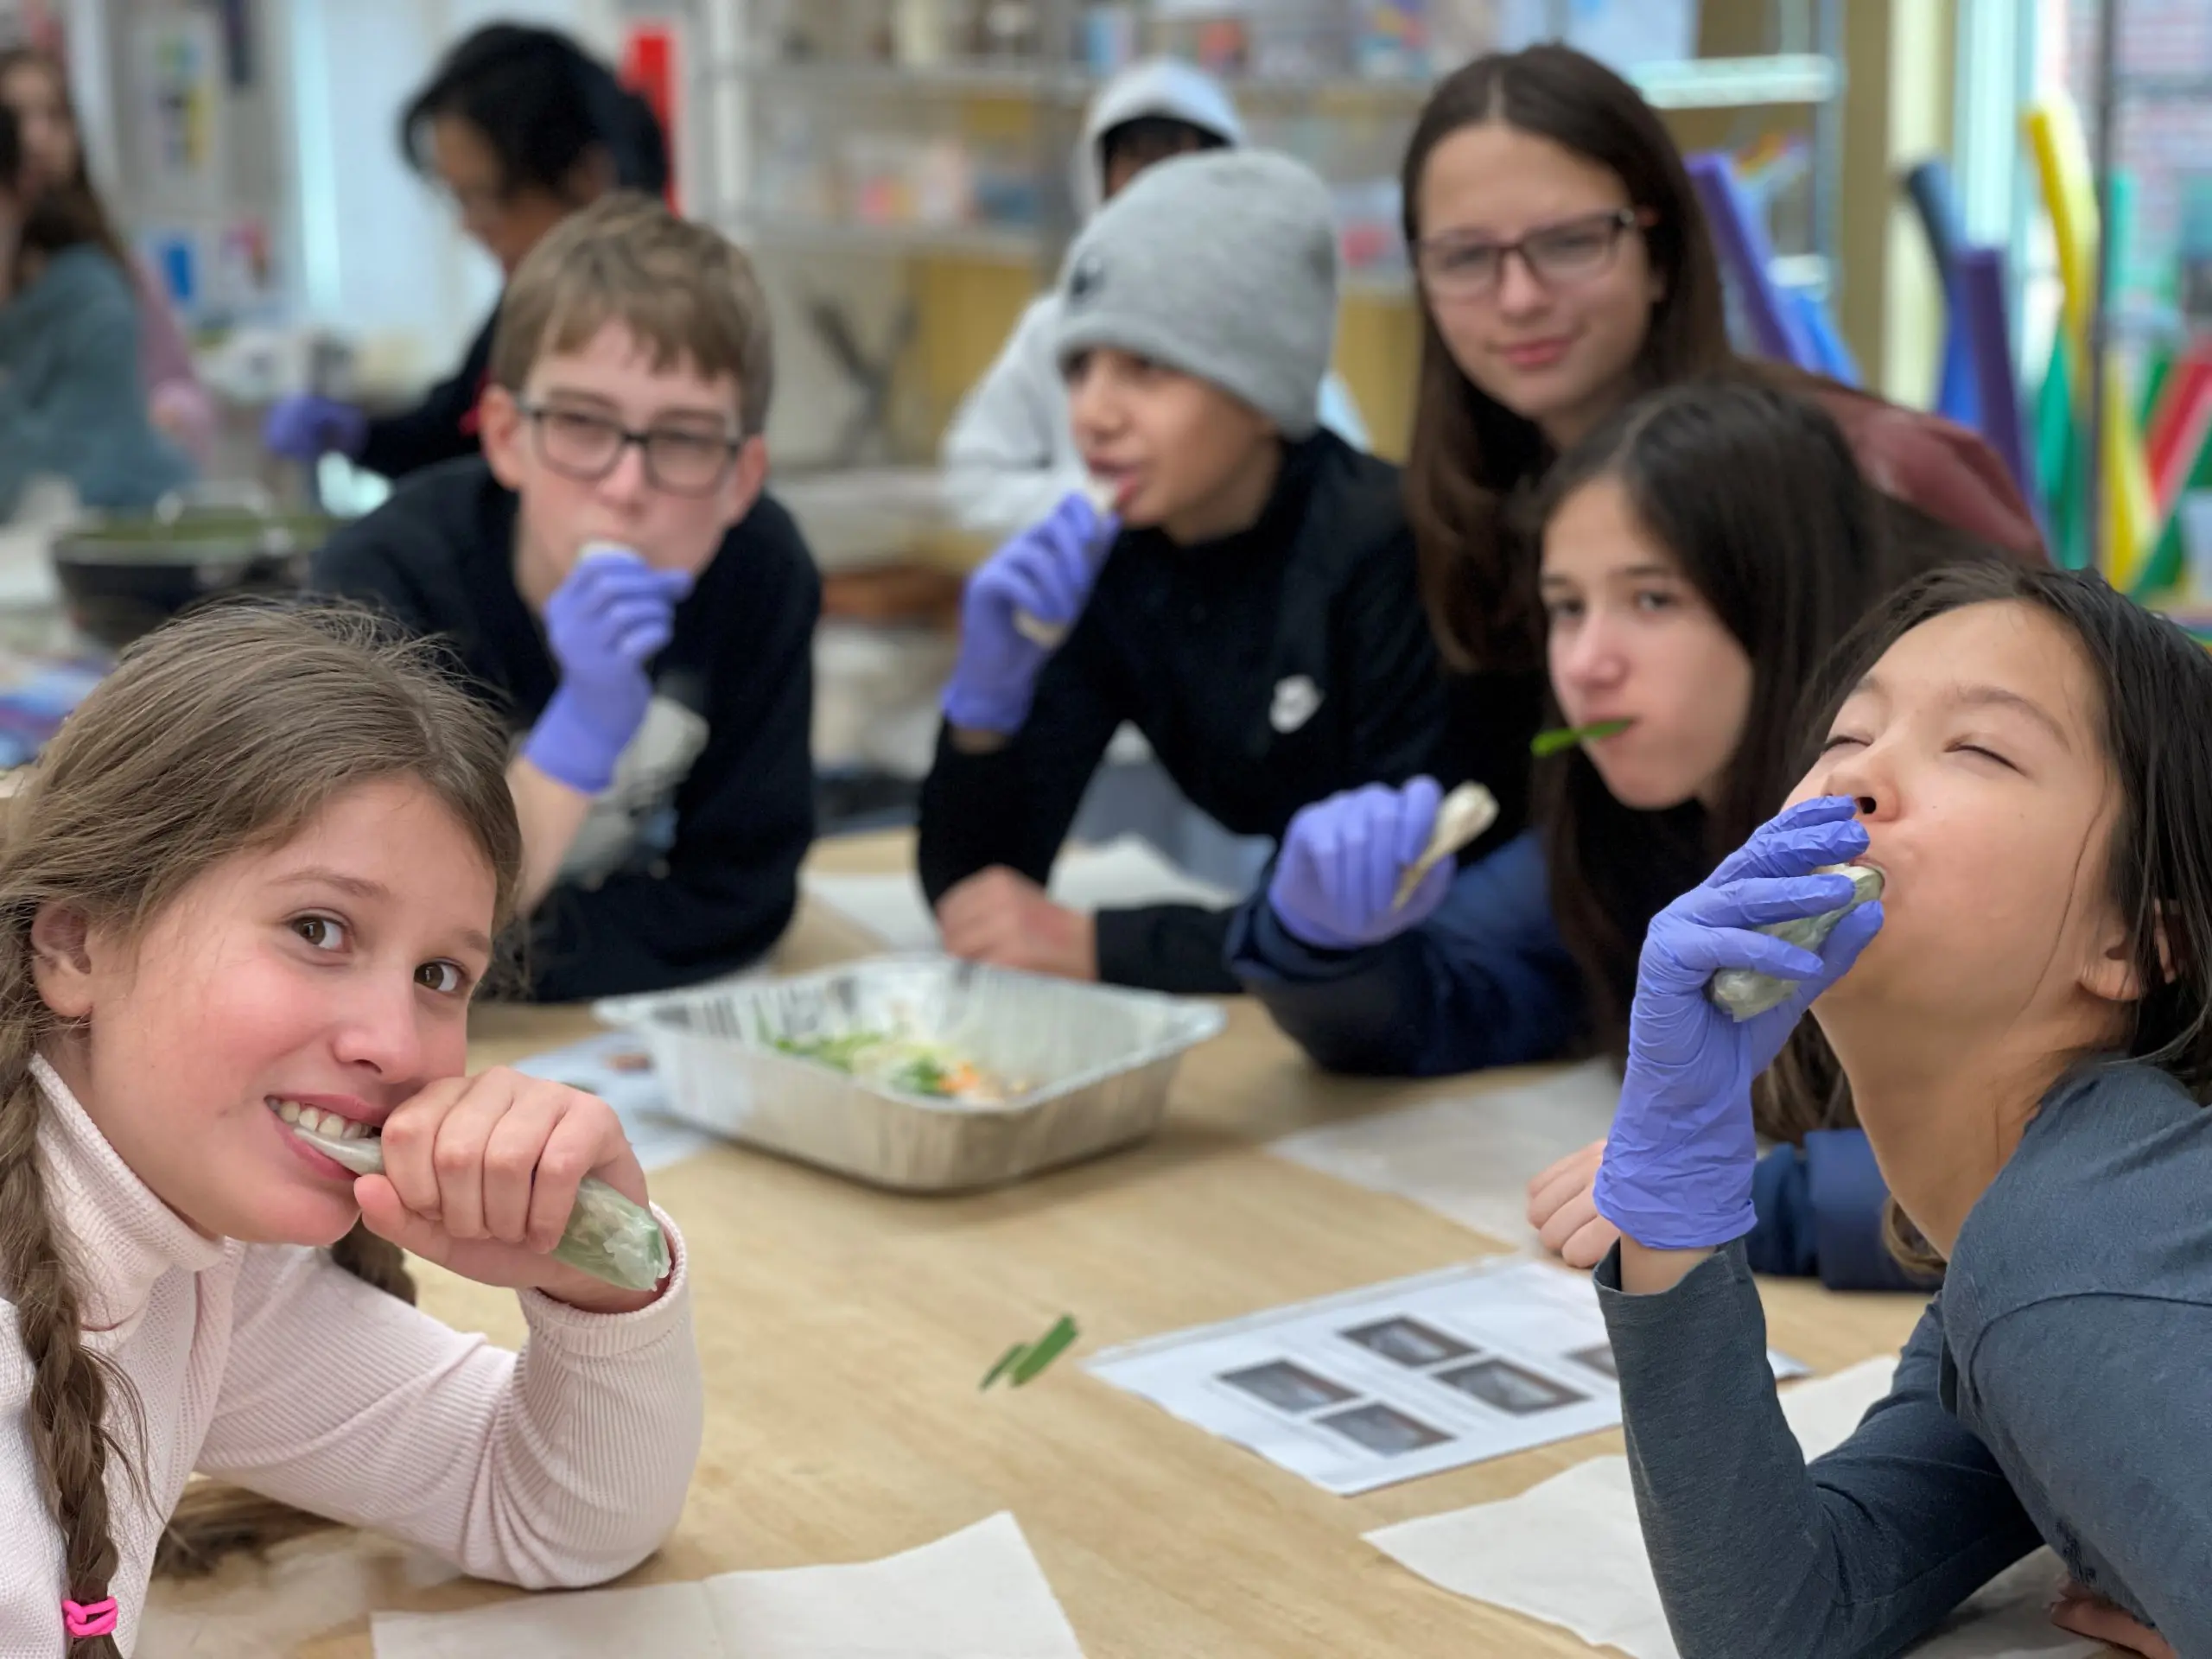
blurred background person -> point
(520, 127)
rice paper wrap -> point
(1746, 994)
(608, 1236)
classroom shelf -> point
(1740, 83)
(813, 132)
(1784, 78)
(948, 80)
(764, 232)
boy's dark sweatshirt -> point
(441, 428)
(1211, 652)
(712, 891)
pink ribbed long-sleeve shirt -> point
(274, 1369)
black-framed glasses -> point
(1457, 266)
(681, 460)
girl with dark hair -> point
(521, 127)
(1564, 268)
(36, 90)
(72, 404)
(2024, 1022)
(1700, 553)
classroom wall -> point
(1897, 107)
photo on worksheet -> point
(1390, 1381)
(1407, 1342)
(1289, 1387)
(1501, 1383)
(1383, 1430)
(1597, 1358)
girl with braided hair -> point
(251, 886)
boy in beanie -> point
(1010, 455)
(1238, 583)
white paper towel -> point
(1537, 1554)
(1470, 1158)
(1125, 871)
(978, 1594)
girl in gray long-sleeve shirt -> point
(2028, 1037)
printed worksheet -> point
(1398, 1380)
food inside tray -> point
(907, 1063)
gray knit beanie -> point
(1222, 265)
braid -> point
(376, 1261)
(69, 1388)
(223, 734)
(214, 1520)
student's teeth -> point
(318, 1122)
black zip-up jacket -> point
(700, 842)
(1267, 669)
(442, 427)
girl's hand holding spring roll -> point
(480, 1175)
(1677, 1169)
(1336, 880)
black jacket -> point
(699, 850)
(442, 427)
(1267, 669)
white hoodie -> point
(1009, 455)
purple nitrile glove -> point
(1678, 1163)
(306, 428)
(606, 622)
(1042, 577)
(1335, 879)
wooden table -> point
(843, 1331)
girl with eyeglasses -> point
(520, 127)
(639, 611)
(1565, 270)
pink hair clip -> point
(89, 1619)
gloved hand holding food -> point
(1679, 1159)
(305, 428)
(609, 619)
(1369, 864)
(1016, 609)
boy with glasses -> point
(610, 572)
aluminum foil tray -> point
(1097, 1063)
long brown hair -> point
(2159, 863)
(71, 212)
(224, 733)
(1756, 495)
(1470, 452)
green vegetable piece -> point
(1006, 1363)
(1054, 1343)
(608, 1236)
(1561, 739)
(921, 1076)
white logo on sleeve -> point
(1296, 700)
